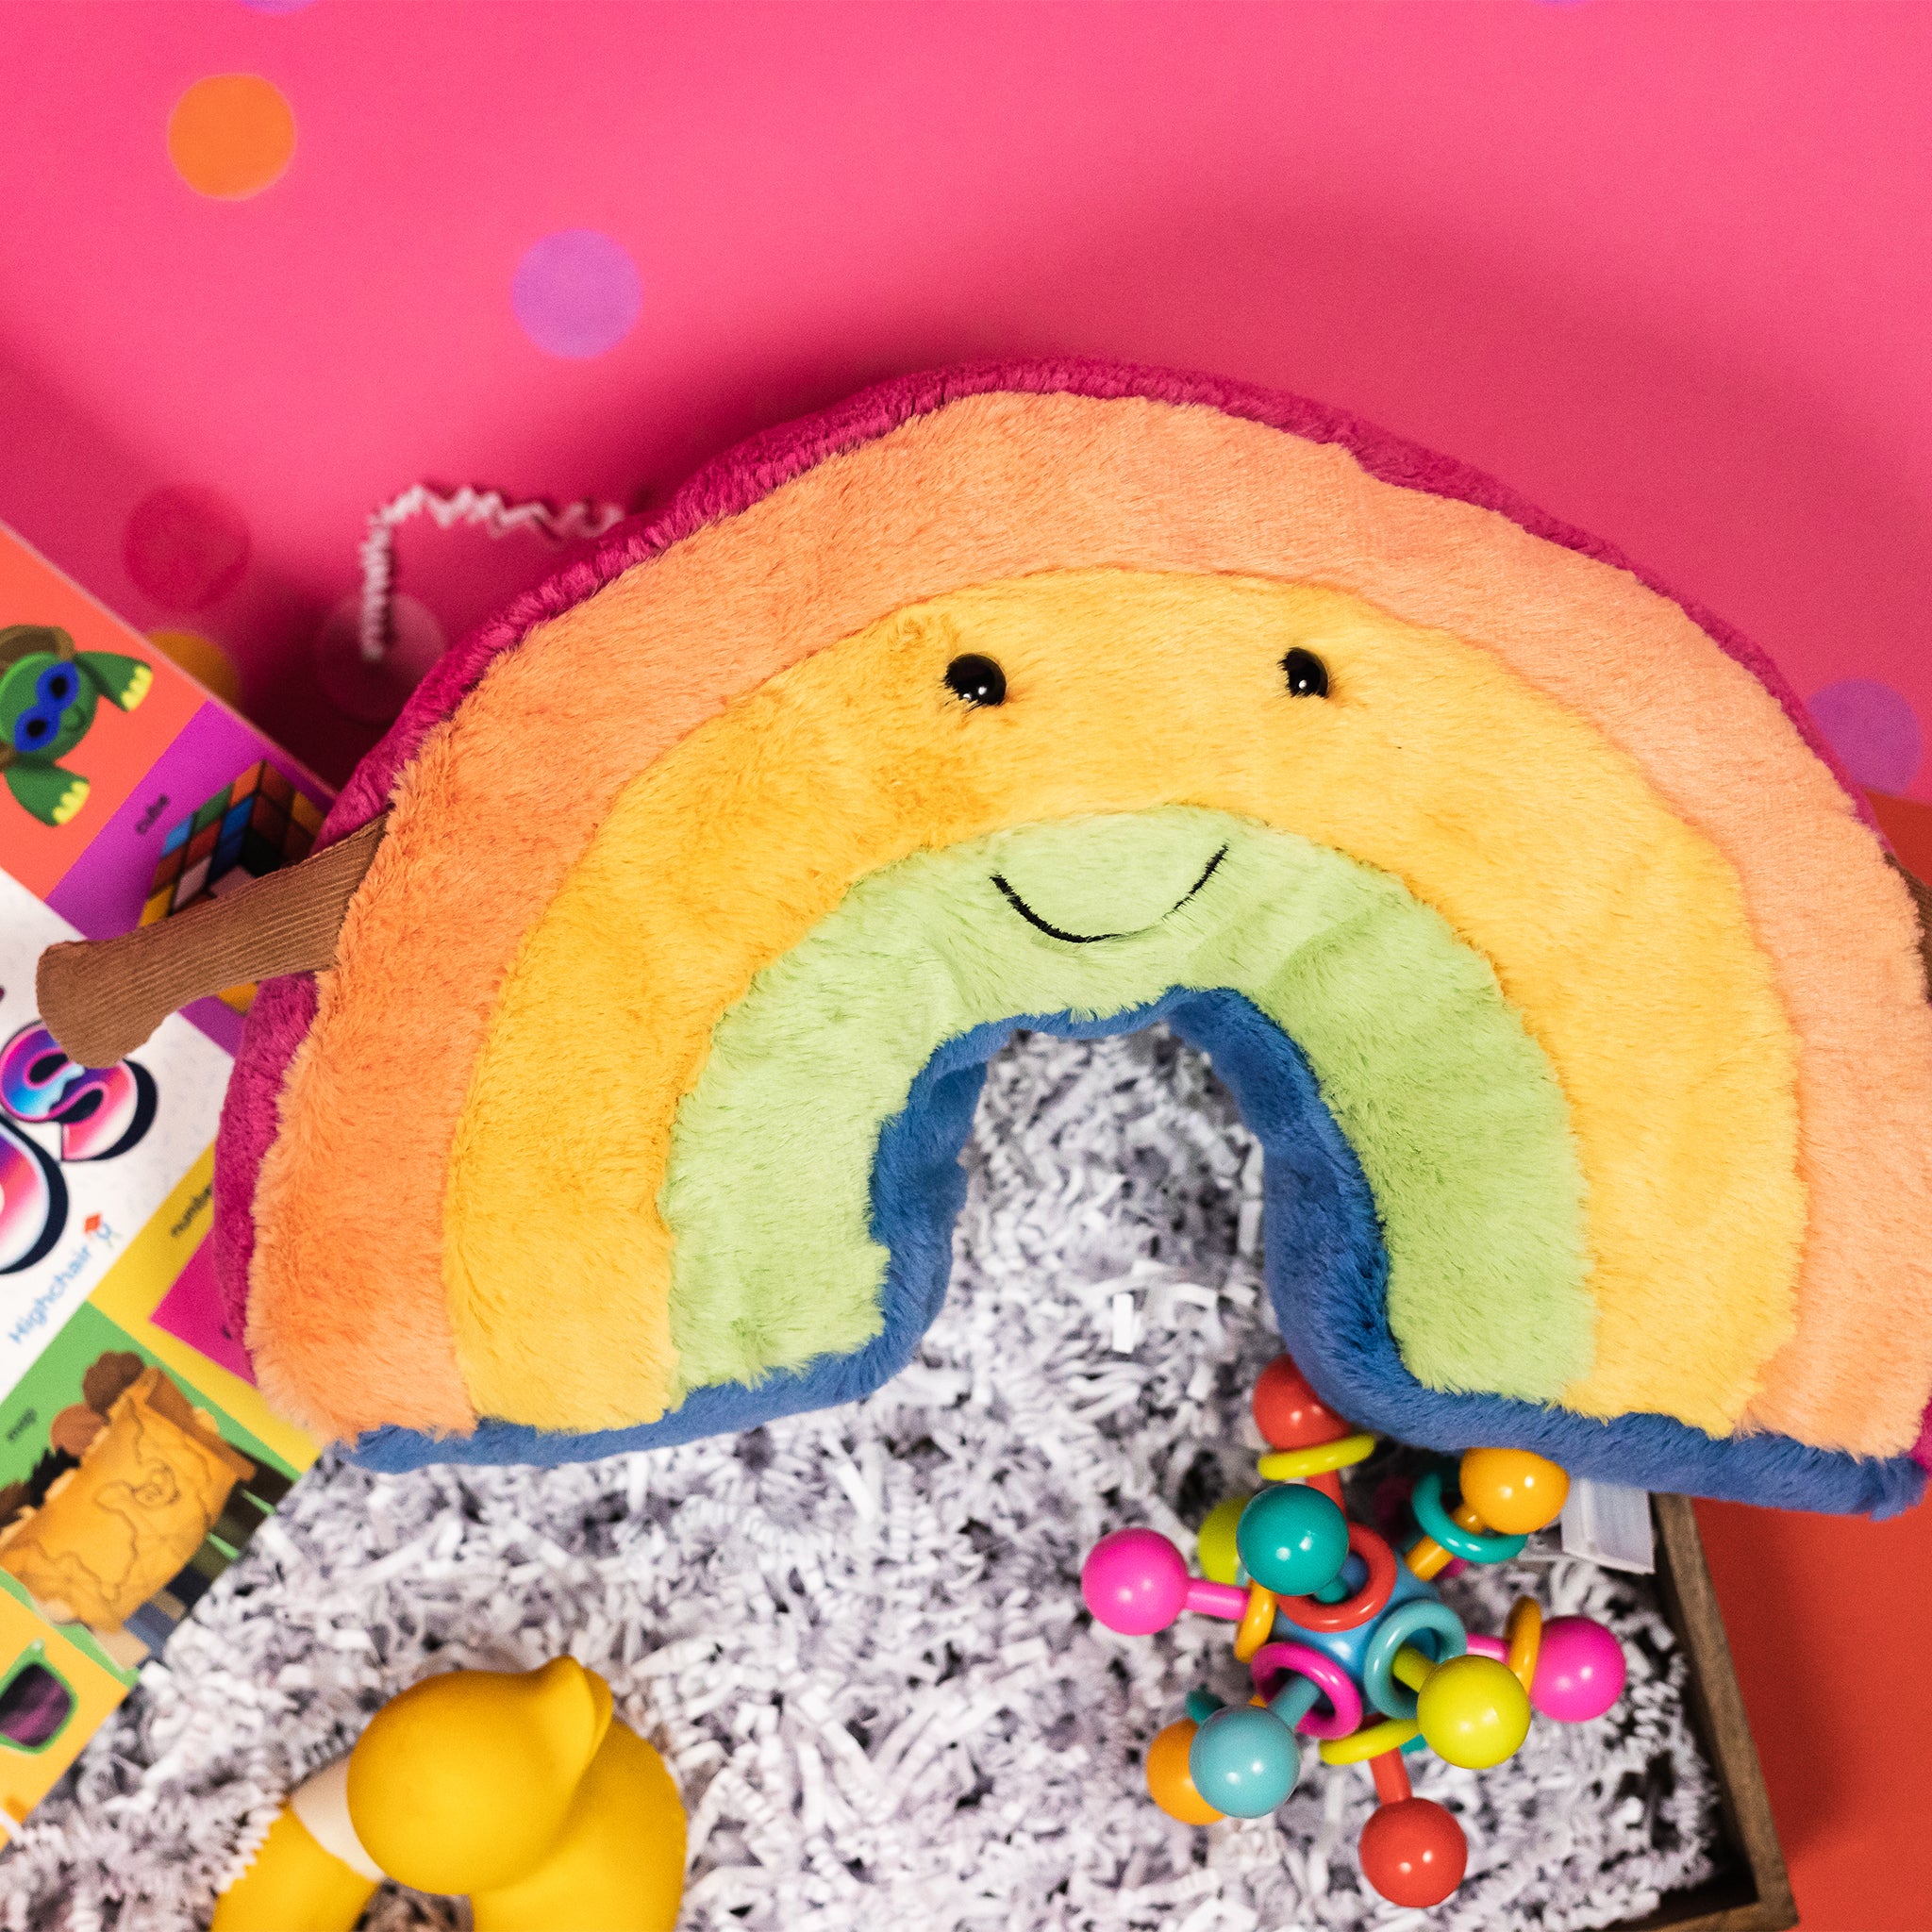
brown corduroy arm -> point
(101, 999)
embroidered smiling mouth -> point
(1094, 939)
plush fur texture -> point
(937, 481)
(1451, 1108)
(1614, 931)
(1325, 1270)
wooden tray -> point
(1754, 1895)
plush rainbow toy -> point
(1555, 964)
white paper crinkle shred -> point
(857, 1636)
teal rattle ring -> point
(1436, 1521)
(1419, 1616)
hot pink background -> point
(1666, 268)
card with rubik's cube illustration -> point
(255, 824)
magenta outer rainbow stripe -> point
(286, 1008)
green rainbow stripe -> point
(1452, 1108)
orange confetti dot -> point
(231, 135)
(204, 660)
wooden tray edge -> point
(1717, 1715)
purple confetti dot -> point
(276, 6)
(576, 293)
(1873, 728)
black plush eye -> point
(1307, 676)
(977, 679)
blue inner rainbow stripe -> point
(1326, 1272)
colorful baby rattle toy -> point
(1332, 1626)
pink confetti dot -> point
(1873, 728)
(576, 293)
(185, 547)
(375, 692)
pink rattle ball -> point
(1579, 1670)
(1135, 1581)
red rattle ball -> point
(1413, 1852)
(1289, 1412)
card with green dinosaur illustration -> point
(86, 704)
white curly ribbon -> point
(486, 510)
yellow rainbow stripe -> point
(1430, 761)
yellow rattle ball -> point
(1214, 1547)
(1513, 1492)
(1473, 1712)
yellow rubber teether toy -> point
(521, 1791)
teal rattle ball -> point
(1244, 1760)
(1292, 1539)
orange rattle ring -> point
(1257, 1622)
(1524, 1632)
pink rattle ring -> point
(1274, 1661)
(1368, 1602)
